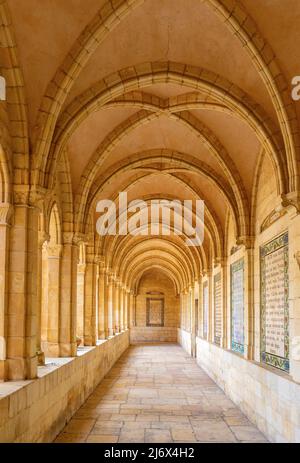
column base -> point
(68, 349)
(22, 368)
(40, 357)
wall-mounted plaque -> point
(274, 299)
(205, 310)
(237, 306)
(218, 308)
(155, 312)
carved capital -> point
(79, 238)
(54, 250)
(6, 213)
(291, 201)
(43, 237)
(37, 196)
(68, 238)
(21, 195)
(247, 241)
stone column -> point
(111, 326)
(102, 329)
(51, 345)
(200, 307)
(43, 238)
(90, 285)
(22, 287)
(131, 309)
(116, 306)
(192, 320)
(6, 211)
(122, 306)
(127, 296)
(80, 301)
(68, 297)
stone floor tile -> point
(158, 436)
(101, 439)
(159, 394)
(79, 426)
(248, 433)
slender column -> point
(116, 306)
(111, 326)
(68, 297)
(81, 268)
(200, 307)
(192, 320)
(101, 302)
(131, 308)
(126, 308)
(51, 345)
(5, 216)
(122, 306)
(90, 328)
(43, 237)
(22, 297)
(106, 308)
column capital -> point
(247, 241)
(43, 237)
(54, 250)
(68, 238)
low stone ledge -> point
(37, 410)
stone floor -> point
(157, 393)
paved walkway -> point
(157, 393)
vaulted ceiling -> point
(161, 98)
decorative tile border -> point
(217, 286)
(274, 360)
(205, 309)
(236, 267)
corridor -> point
(156, 393)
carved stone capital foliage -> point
(43, 237)
(37, 196)
(54, 250)
(6, 213)
(247, 241)
(219, 260)
(291, 201)
(79, 238)
(68, 238)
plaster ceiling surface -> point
(188, 32)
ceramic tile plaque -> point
(218, 309)
(205, 310)
(155, 312)
(237, 306)
(274, 303)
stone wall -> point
(151, 284)
(269, 398)
(37, 410)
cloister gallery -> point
(139, 337)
